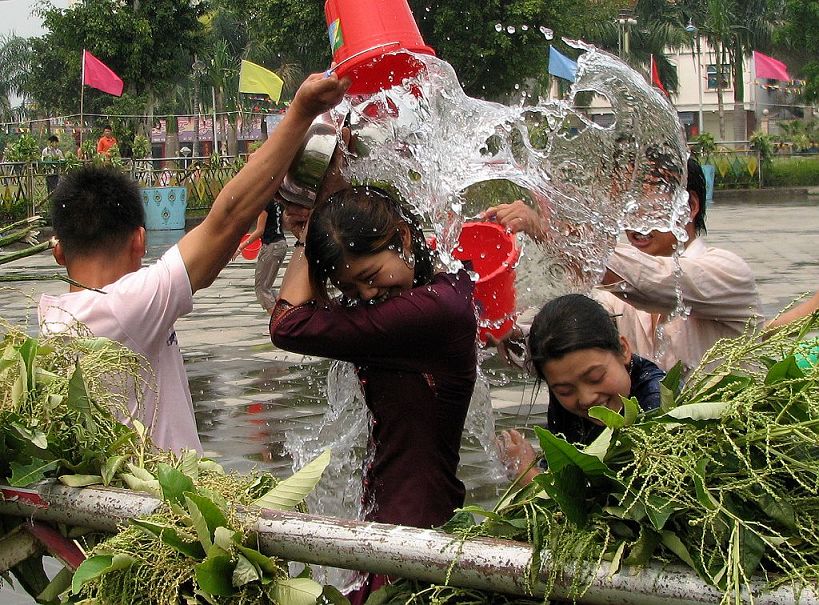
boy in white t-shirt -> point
(98, 218)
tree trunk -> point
(740, 123)
(719, 54)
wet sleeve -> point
(402, 328)
(715, 285)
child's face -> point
(374, 277)
(588, 377)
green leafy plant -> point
(704, 146)
(24, 149)
(724, 478)
(763, 143)
(141, 147)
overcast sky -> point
(16, 17)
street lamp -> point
(697, 56)
(198, 68)
(624, 22)
(185, 151)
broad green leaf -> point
(631, 409)
(78, 398)
(245, 572)
(19, 390)
(670, 386)
(616, 560)
(643, 549)
(33, 435)
(97, 343)
(80, 480)
(168, 535)
(199, 525)
(96, 566)
(787, 369)
(188, 464)
(214, 576)
(225, 538)
(332, 596)
(150, 486)
(140, 473)
(675, 545)
(28, 351)
(752, 549)
(288, 493)
(659, 510)
(600, 446)
(57, 586)
(777, 509)
(214, 516)
(111, 467)
(174, 483)
(460, 520)
(708, 410)
(297, 591)
(44, 377)
(210, 466)
(559, 453)
(704, 497)
(610, 418)
(263, 562)
(568, 488)
(26, 474)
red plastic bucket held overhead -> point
(252, 250)
(494, 254)
(362, 36)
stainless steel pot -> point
(306, 172)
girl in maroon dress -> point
(410, 333)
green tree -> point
(15, 57)
(799, 36)
(146, 42)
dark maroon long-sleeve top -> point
(416, 360)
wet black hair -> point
(95, 208)
(696, 184)
(565, 324)
(359, 221)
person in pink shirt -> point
(98, 217)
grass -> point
(792, 172)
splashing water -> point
(451, 156)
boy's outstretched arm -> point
(209, 247)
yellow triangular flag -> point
(256, 79)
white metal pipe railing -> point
(425, 555)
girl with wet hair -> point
(574, 346)
(411, 333)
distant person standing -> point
(51, 154)
(274, 247)
(106, 142)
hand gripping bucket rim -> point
(494, 254)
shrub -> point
(792, 172)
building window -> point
(712, 77)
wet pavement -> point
(249, 395)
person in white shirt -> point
(98, 218)
(52, 153)
(642, 280)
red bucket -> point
(252, 250)
(364, 34)
(494, 254)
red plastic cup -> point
(251, 251)
(494, 253)
(363, 36)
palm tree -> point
(15, 57)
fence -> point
(26, 186)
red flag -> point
(655, 76)
(97, 74)
(768, 67)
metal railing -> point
(25, 187)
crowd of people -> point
(407, 325)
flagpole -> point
(82, 99)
